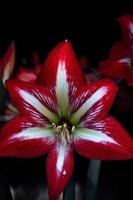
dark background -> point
(92, 28)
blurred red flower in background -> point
(119, 65)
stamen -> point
(58, 128)
(62, 132)
(64, 125)
(53, 125)
(73, 128)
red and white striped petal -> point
(62, 53)
(7, 63)
(93, 101)
(104, 140)
(60, 72)
(33, 101)
(59, 169)
(126, 23)
(22, 138)
(121, 67)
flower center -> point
(63, 132)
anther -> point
(65, 126)
(53, 125)
(73, 129)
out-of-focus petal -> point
(26, 75)
(119, 51)
(116, 69)
(7, 63)
(126, 23)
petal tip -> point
(66, 40)
(66, 44)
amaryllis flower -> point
(119, 65)
(6, 72)
(126, 23)
(62, 114)
(7, 65)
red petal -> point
(126, 23)
(22, 138)
(33, 101)
(130, 83)
(93, 101)
(119, 51)
(122, 70)
(62, 53)
(62, 73)
(26, 75)
(7, 63)
(59, 169)
(104, 140)
(120, 61)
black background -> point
(90, 26)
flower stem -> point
(92, 180)
(69, 192)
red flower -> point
(7, 64)
(120, 62)
(61, 114)
(126, 23)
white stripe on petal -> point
(7, 72)
(33, 133)
(34, 102)
(125, 60)
(100, 93)
(93, 135)
(62, 89)
(131, 28)
(61, 154)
